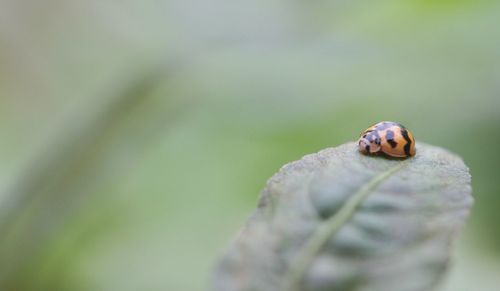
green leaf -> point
(340, 220)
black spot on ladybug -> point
(407, 146)
(374, 137)
(390, 138)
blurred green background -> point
(136, 135)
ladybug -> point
(390, 138)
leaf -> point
(340, 220)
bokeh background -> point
(135, 136)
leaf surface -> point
(340, 220)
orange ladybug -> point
(390, 138)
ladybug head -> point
(368, 146)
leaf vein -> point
(328, 228)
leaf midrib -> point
(328, 228)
